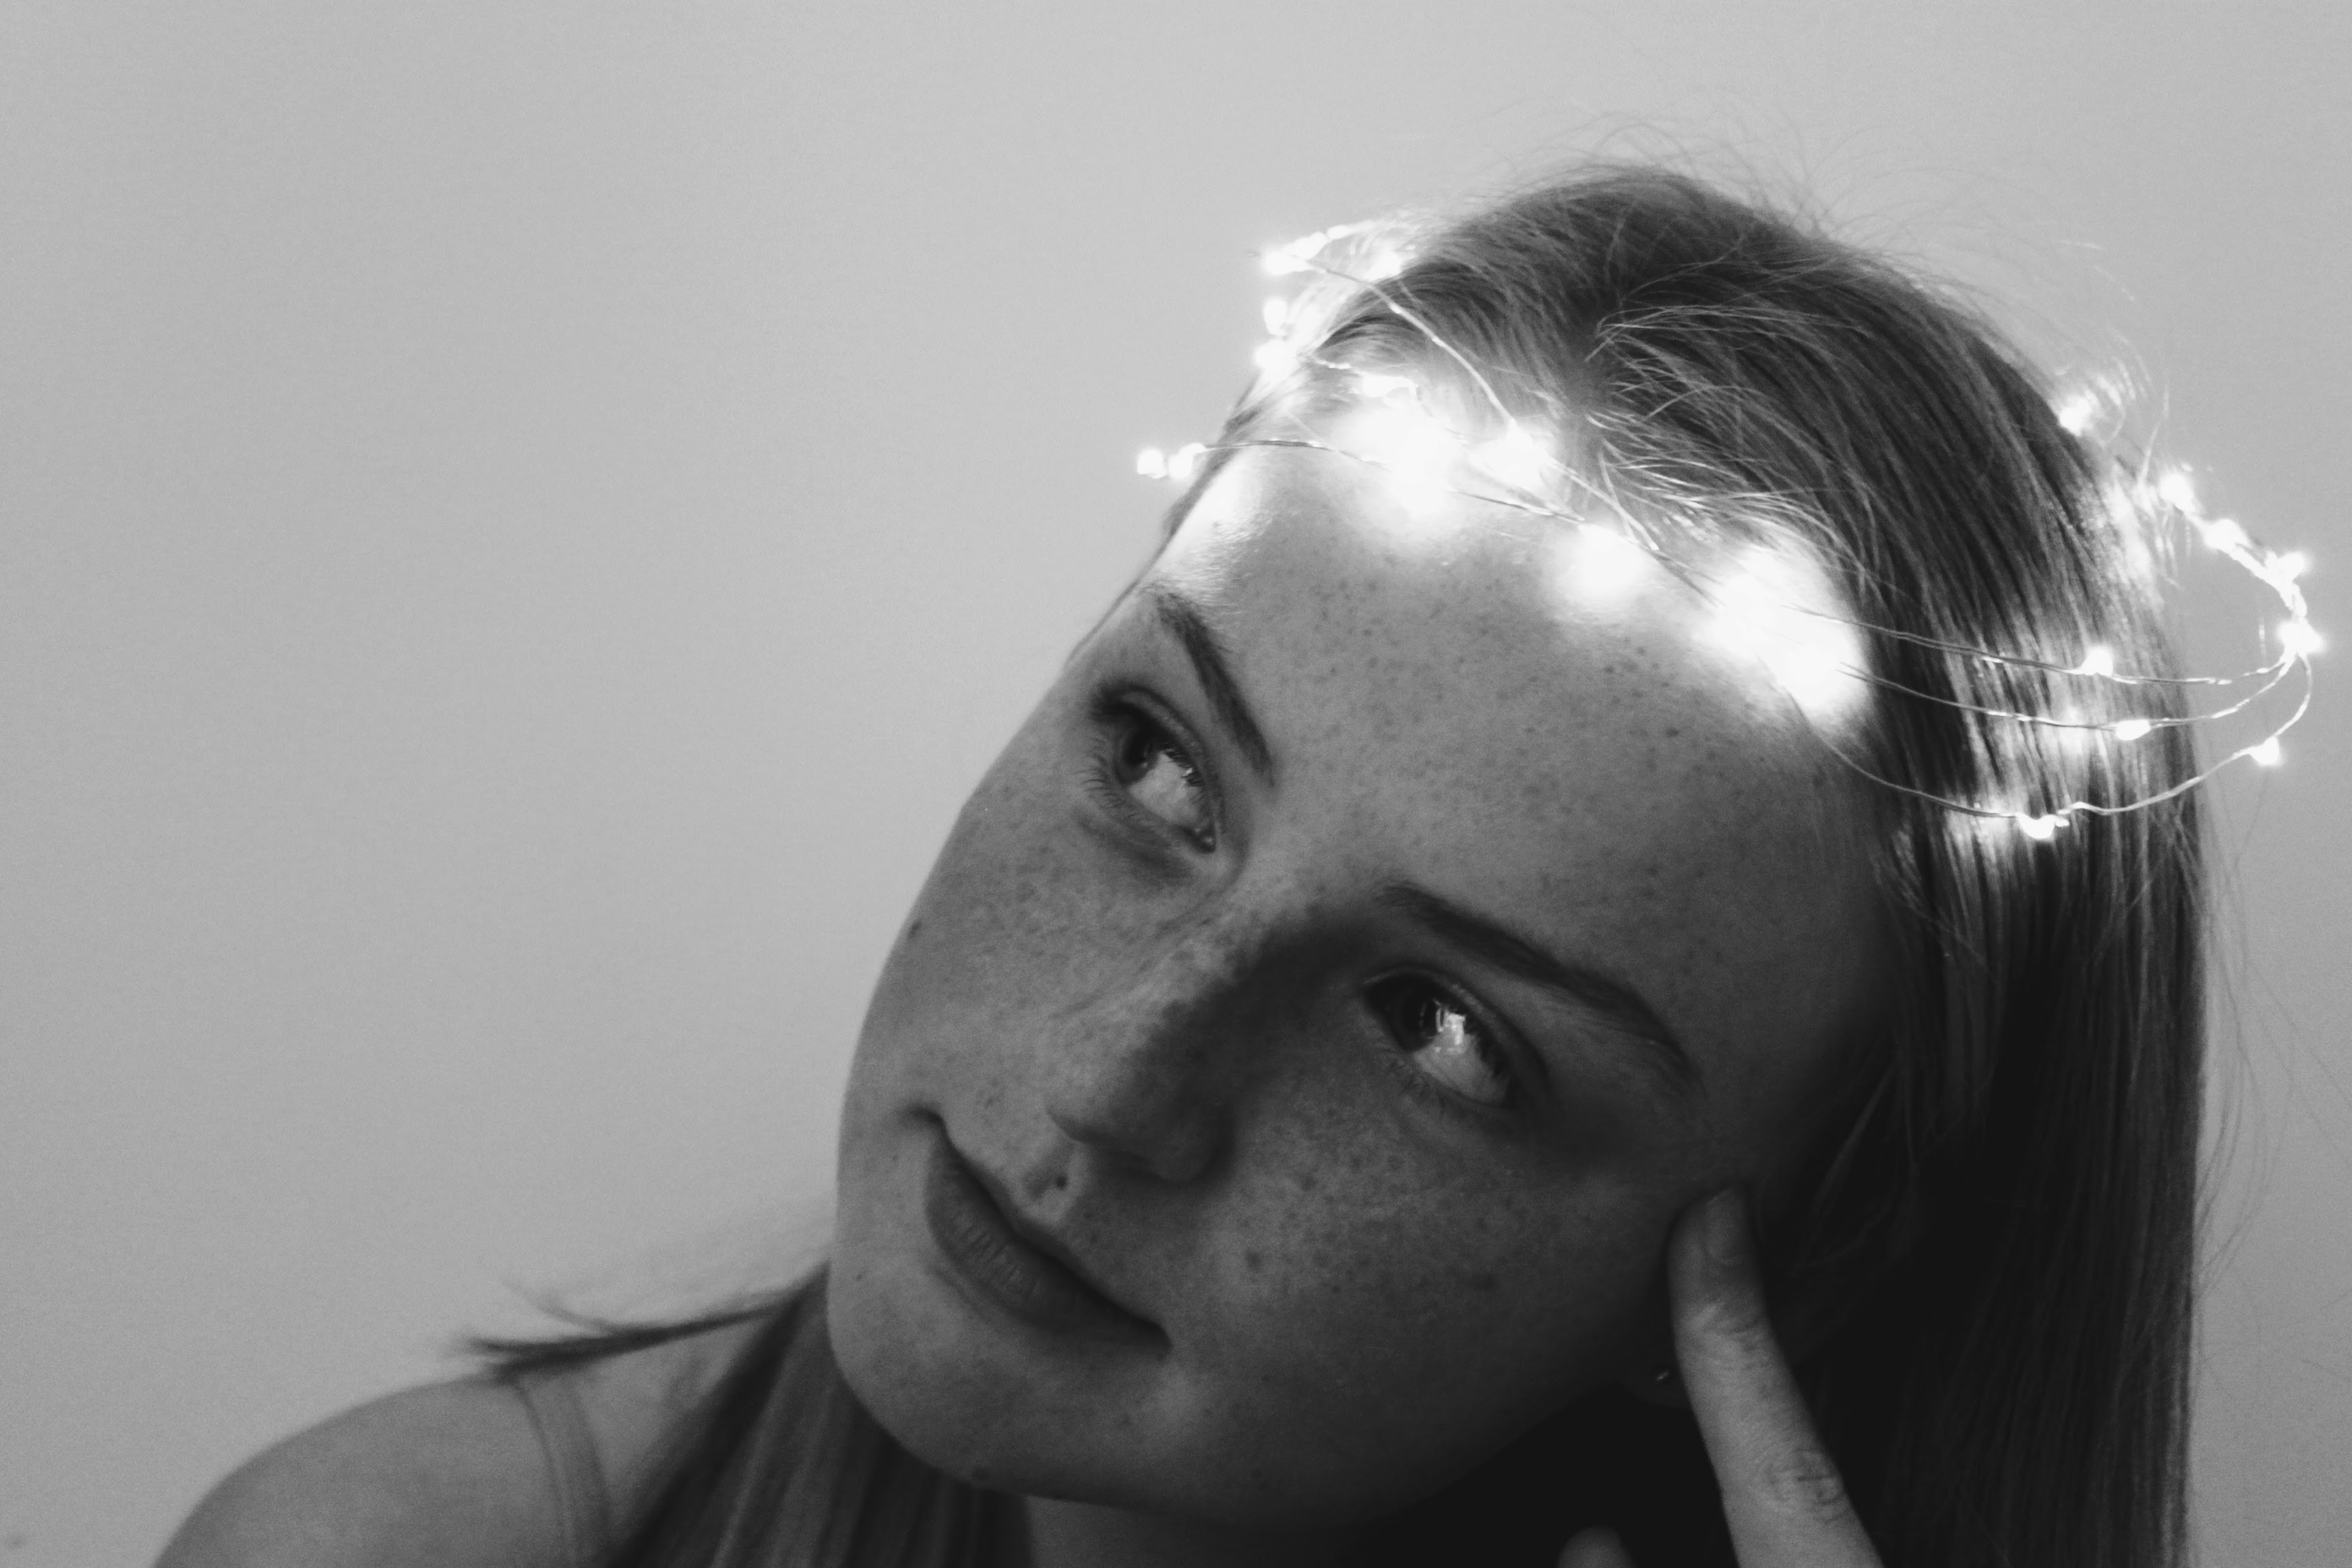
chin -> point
(1259, 1443)
(952, 1392)
(960, 1402)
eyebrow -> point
(1212, 666)
(1617, 1004)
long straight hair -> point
(1998, 1223)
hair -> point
(1999, 1223)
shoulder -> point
(452, 1474)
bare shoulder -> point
(452, 1474)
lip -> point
(1011, 1265)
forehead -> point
(1444, 700)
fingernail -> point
(1723, 1229)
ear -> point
(1647, 1369)
(1804, 1313)
(1800, 1321)
(1659, 1383)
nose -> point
(1146, 1073)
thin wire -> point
(2225, 537)
(2271, 675)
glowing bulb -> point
(1418, 452)
(1275, 356)
(2129, 729)
(1383, 264)
(1777, 606)
(2077, 411)
(2040, 829)
(1599, 565)
(1517, 458)
(2098, 659)
(1151, 463)
(2224, 535)
(2179, 492)
(2298, 640)
(1299, 255)
(2286, 568)
(2265, 752)
(1185, 461)
(1377, 385)
(1275, 313)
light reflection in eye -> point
(1157, 774)
(1440, 1038)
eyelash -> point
(1115, 715)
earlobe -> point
(1655, 1383)
(1647, 1370)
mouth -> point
(1009, 1264)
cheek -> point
(1388, 1308)
(1002, 927)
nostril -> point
(1167, 1130)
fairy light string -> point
(1419, 447)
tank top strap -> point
(582, 1503)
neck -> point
(1045, 1532)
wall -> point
(518, 522)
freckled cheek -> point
(1387, 1283)
(1022, 913)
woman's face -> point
(1383, 928)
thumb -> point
(1594, 1548)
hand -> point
(1781, 1493)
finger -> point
(1594, 1548)
(1782, 1495)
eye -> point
(1148, 764)
(1440, 1040)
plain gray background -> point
(518, 524)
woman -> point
(1605, 756)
